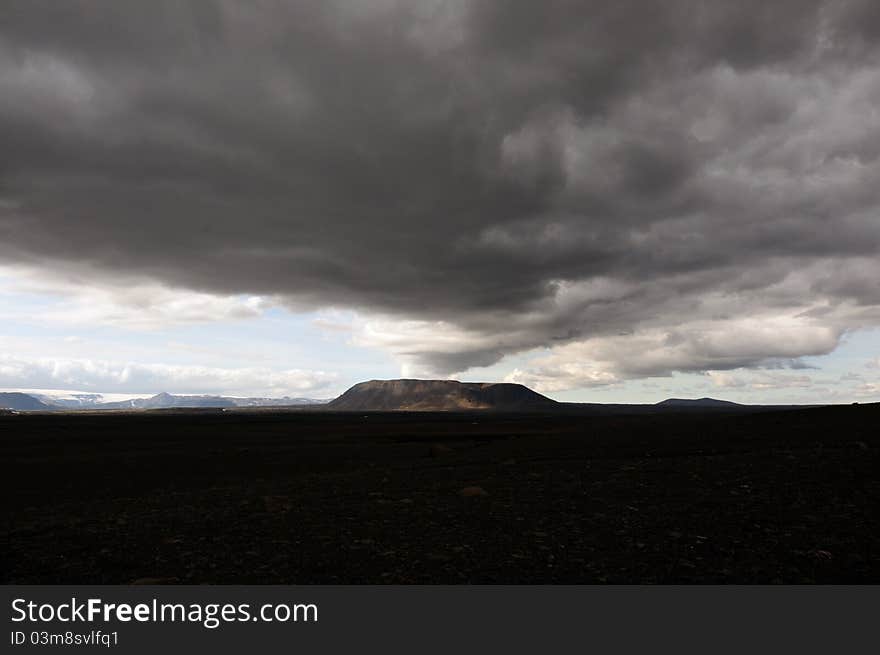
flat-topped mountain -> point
(439, 395)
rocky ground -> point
(285, 497)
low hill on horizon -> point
(697, 402)
(439, 395)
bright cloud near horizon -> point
(604, 200)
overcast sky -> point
(610, 199)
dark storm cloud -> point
(528, 173)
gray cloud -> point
(563, 174)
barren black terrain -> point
(323, 497)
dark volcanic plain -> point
(321, 497)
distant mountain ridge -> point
(379, 395)
(46, 402)
(72, 401)
(439, 395)
(166, 401)
(21, 402)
